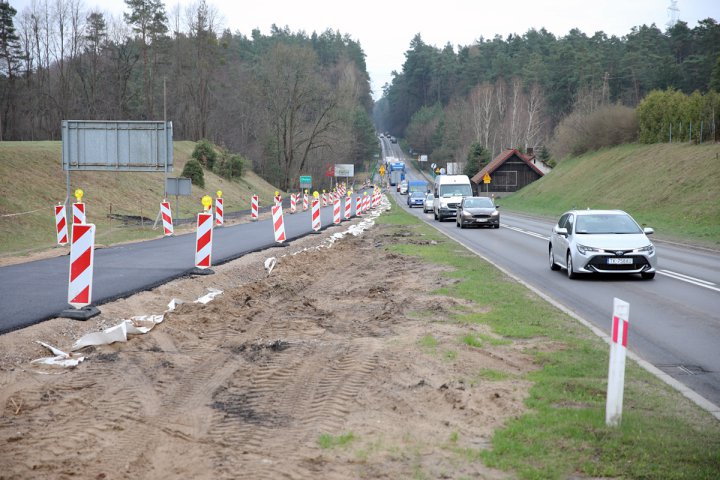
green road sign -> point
(305, 181)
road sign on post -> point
(616, 370)
(305, 181)
(486, 178)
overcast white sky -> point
(385, 28)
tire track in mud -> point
(291, 400)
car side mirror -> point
(497, 207)
(648, 231)
(560, 231)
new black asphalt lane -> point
(35, 291)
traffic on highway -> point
(675, 324)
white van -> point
(449, 191)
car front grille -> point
(600, 262)
(453, 205)
(481, 216)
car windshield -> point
(430, 197)
(478, 202)
(606, 224)
(417, 195)
(455, 190)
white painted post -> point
(616, 370)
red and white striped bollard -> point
(348, 208)
(78, 209)
(336, 212)
(305, 202)
(219, 212)
(278, 223)
(254, 207)
(61, 225)
(293, 203)
(316, 221)
(166, 214)
(203, 240)
(358, 206)
(82, 255)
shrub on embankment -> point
(674, 188)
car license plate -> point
(620, 261)
(481, 220)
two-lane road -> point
(675, 318)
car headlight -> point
(583, 249)
(649, 249)
(495, 213)
(466, 214)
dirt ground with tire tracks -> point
(245, 386)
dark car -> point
(477, 211)
(416, 199)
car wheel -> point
(553, 266)
(647, 275)
(497, 225)
(462, 225)
(569, 264)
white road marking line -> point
(665, 272)
(670, 272)
(526, 232)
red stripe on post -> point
(166, 217)
(79, 230)
(82, 297)
(204, 240)
(615, 326)
(80, 265)
(61, 224)
(625, 333)
(202, 218)
(205, 262)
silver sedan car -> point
(429, 203)
(601, 241)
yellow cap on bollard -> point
(219, 193)
(277, 193)
(316, 194)
(206, 201)
(79, 194)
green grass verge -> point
(326, 440)
(674, 188)
(563, 432)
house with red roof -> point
(509, 172)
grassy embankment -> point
(563, 432)
(33, 179)
(674, 188)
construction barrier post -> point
(61, 225)
(166, 213)
(254, 207)
(305, 201)
(336, 211)
(278, 225)
(80, 282)
(348, 207)
(203, 239)
(219, 210)
(616, 369)
(278, 199)
(358, 206)
(316, 221)
(293, 203)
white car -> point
(403, 187)
(601, 241)
(428, 204)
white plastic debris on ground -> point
(61, 359)
(270, 264)
(137, 325)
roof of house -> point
(502, 158)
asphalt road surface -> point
(674, 319)
(35, 291)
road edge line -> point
(687, 392)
